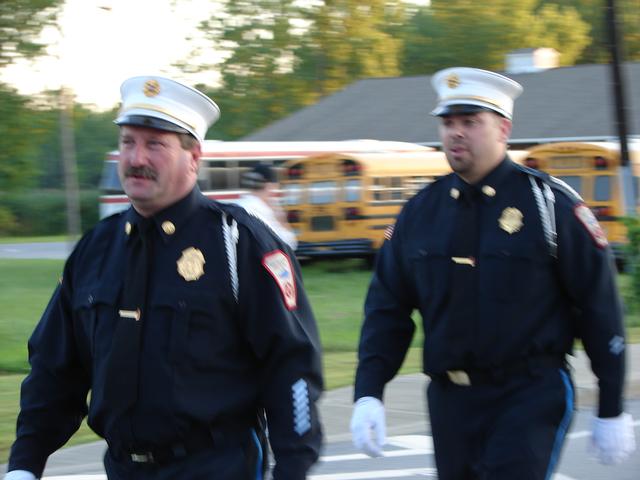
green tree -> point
(348, 40)
(281, 55)
(457, 32)
(258, 39)
(18, 140)
(20, 23)
(562, 28)
(593, 12)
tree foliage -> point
(457, 32)
(593, 12)
(20, 23)
(18, 140)
(348, 40)
(286, 55)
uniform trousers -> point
(509, 430)
(224, 462)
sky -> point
(94, 49)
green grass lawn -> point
(336, 291)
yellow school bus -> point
(341, 204)
(593, 170)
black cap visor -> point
(151, 122)
(463, 109)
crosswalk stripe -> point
(376, 474)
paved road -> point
(408, 453)
(53, 250)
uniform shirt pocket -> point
(95, 309)
(201, 327)
(432, 273)
(506, 269)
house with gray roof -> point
(562, 103)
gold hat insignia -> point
(191, 264)
(453, 81)
(511, 220)
(151, 88)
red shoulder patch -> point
(278, 265)
(588, 219)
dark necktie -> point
(121, 385)
(464, 245)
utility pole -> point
(620, 105)
(68, 150)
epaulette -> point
(242, 217)
(542, 189)
(553, 182)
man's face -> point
(474, 143)
(154, 169)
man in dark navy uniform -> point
(185, 320)
(506, 266)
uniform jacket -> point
(525, 301)
(205, 359)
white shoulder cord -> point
(230, 234)
(546, 207)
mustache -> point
(144, 172)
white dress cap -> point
(164, 104)
(468, 90)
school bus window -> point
(414, 185)
(321, 193)
(292, 194)
(396, 188)
(352, 190)
(602, 188)
(110, 182)
(574, 181)
(378, 189)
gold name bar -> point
(135, 314)
(464, 261)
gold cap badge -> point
(511, 220)
(151, 88)
(191, 264)
(453, 81)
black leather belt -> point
(530, 366)
(196, 440)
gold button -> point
(168, 228)
(489, 191)
(455, 193)
(127, 228)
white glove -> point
(19, 475)
(612, 439)
(368, 427)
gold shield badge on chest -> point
(511, 220)
(191, 264)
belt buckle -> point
(459, 377)
(142, 457)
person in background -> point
(507, 267)
(261, 201)
(183, 318)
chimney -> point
(529, 60)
